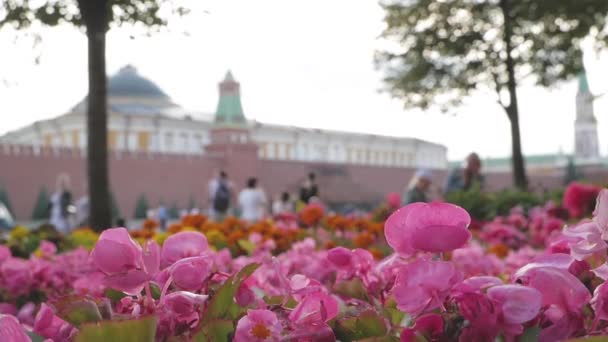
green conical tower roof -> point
(229, 109)
(583, 84)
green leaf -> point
(368, 324)
(114, 295)
(78, 310)
(589, 339)
(34, 337)
(247, 246)
(155, 290)
(530, 335)
(141, 330)
(395, 315)
(274, 300)
(215, 331)
(222, 305)
(353, 288)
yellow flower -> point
(19, 233)
(160, 238)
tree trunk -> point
(519, 169)
(95, 14)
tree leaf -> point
(34, 337)
(114, 295)
(141, 330)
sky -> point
(300, 63)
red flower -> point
(579, 199)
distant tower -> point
(229, 109)
(585, 126)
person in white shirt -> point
(282, 205)
(252, 202)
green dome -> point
(127, 82)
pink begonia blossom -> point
(127, 266)
(26, 314)
(48, 325)
(416, 227)
(496, 232)
(423, 285)
(258, 326)
(585, 239)
(393, 200)
(190, 273)
(47, 249)
(429, 326)
(519, 304)
(579, 198)
(473, 261)
(479, 311)
(90, 284)
(17, 275)
(184, 306)
(476, 284)
(314, 309)
(11, 330)
(8, 309)
(600, 214)
(557, 286)
(183, 245)
(562, 261)
(5, 253)
(601, 271)
(599, 302)
(115, 252)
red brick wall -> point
(174, 178)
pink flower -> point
(17, 275)
(11, 330)
(423, 285)
(416, 227)
(482, 316)
(473, 261)
(47, 249)
(121, 259)
(557, 286)
(115, 252)
(50, 326)
(258, 326)
(5, 253)
(429, 326)
(184, 306)
(579, 199)
(585, 239)
(599, 302)
(190, 273)
(393, 200)
(519, 304)
(600, 214)
(183, 245)
(316, 308)
(476, 284)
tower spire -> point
(229, 109)
(583, 84)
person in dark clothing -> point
(309, 189)
(418, 188)
(466, 178)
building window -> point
(75, 138)
(243, 138)
(168, 141)
(185, 142)
(143, 141)
(112, 139)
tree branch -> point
(498, 88)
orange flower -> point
(499, 250)
(330, 244)
(364, 240)
(174, 228)
(376, 253)
(312, 214)
(149, 224)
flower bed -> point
(426, 274)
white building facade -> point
(143, 118)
